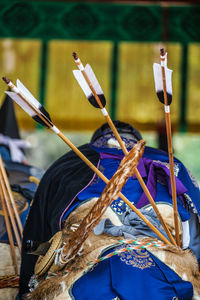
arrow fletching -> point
(87, 91)
(27, 108)
(21, 103)
(157, 71)
(83, 83)
(27, 95)
(28, 103)
(96, 86)
(85, 87)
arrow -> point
(34, 112)
(90, 86)
(164, 93)
(28, 103)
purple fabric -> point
(156, 172)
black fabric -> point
(8, 122)
(121, 128)
(61, 182)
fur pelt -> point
(56, 288)
(7, 268)
(183, 262)
(92, 248)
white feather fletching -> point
(93, 80)
(27, 95)
(21, 103)
(157, 71)
(82, 82)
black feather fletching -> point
(43, 110)
(160, 95)
(45, 115)
(37, 119)
(94, 102)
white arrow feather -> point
(27, 95)
(83, 83)
(93, 80)
(157, 71)
(21, 103)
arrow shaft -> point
(47, 122)
(170, 151)
(82, 69)
(92, 89)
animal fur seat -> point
(7, 268)
(78, 276)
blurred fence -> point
(119, 41)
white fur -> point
(195, 296)
(113, 142)
(173, 267)
(160, 254)
(112, 216)
(63, 285)
(184, 277)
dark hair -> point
(121, 128)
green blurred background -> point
(121, 41)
